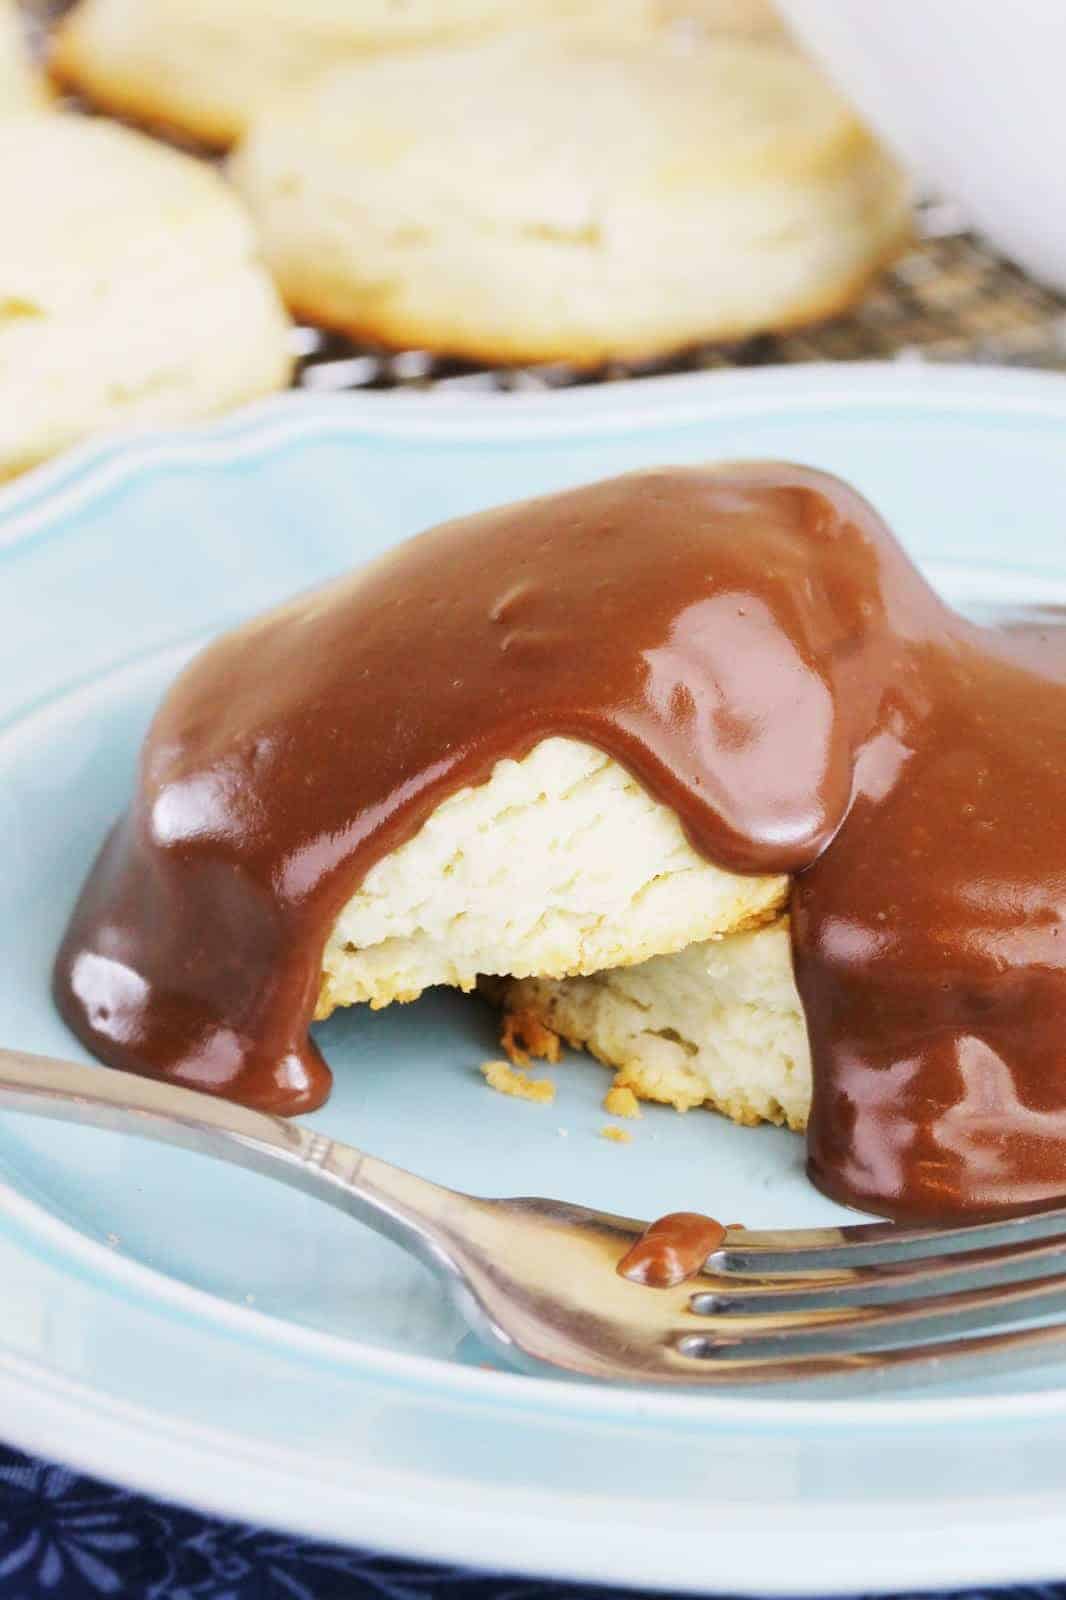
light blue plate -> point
(202, 1334)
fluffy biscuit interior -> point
(560, 864)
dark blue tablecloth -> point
(73, 1538)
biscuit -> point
(206, 68)
(570, 198)
(717, 1024)
(561, 863)
(130, 292)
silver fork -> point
(536, 1279)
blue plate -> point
(198, 1332)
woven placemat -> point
(950, 298)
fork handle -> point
(406, 1208)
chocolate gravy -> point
(671, 1249)
(754, 646)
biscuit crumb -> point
(505, 1080)
(620, 1101)
(617, 1135)
(523, 1036)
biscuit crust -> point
(572, 199)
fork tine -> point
(764, 1253)
(997, 1302)
(739, 1293)
(712, 1368)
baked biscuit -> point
(717, 1024)
(570, 198)
(20, 88)
(560, 864)
(208, 67)
(129, 294)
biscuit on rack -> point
(130, 288)
(206, 68)
(569, 198)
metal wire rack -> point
(950, 298)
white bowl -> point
(972, 94)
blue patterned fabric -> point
(71, 1538)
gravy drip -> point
(671, 1250)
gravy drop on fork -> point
(671, 1249)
